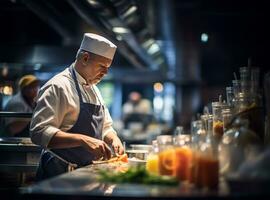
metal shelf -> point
(16, 114)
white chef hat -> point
(98, 45)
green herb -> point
(136, 175)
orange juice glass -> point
(166, 162)
(152, 164)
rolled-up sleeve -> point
(47, 116)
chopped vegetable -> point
(136, 175)
(123, 158)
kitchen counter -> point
(82, 183)
(18, 151)
(19, 159)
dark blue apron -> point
(89, 122)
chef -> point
(70, 120)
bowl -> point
(139, 154)
(134, 162)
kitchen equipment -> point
(145, 147)
(139, 154)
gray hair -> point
(79, 53)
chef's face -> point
(96, 67)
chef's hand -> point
(97, 147)
(117, 146)
(112, 139)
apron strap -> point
(70, 165)
(73, 74)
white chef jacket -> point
(58, 107)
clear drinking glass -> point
(245, 79)
(229, 95)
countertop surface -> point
(83, 182)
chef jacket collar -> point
(80, 79)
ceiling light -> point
(204, 37)
(153, 48)
(37, 66)
(158, 87)
(148, 43)
(130, 11)
(120, 30)
(93, 2)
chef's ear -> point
(85, 58)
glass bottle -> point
(207, 163)
(178, 130)
(229, 95)
(198, 131)
(236, 91)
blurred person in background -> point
(24, 102)
(71, 122)
(137, 109)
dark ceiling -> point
(237, 30)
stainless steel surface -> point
(16, 114)
(16, 140)
(83, 182)
(18, 155)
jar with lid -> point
(217, 119)
(227, 116)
